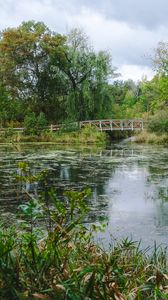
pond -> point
(129, 185)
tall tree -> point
(25, 61)
(160, 59)
(61, 76)
(87, 74)
(10, 109)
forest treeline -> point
(61, 78)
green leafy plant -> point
(159, 122)
(50, 254)
(41, 121)
(33, 123)
(30, 123)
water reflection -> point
(129, 184)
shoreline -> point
(151, 138)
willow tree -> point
(87, 74)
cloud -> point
(128, 45)
(150, 14)
(135, 72)
(128, 29)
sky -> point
(129, 29)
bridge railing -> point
(102, 125)
(115, 124)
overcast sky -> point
(129, 29)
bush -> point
(33, 123)
(41, 121)
(159, 122)
(30, 123)
(69, 126)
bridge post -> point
(121, 125)
(100, 125)
(132, 125)
(111, 125)
(142, 125)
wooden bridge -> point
(116, 124)
(102, 125)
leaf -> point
(41, 296)
(117, 295)
(59, 287)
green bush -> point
(41, 120)
(159, 122)
(33, 123)
(30, 123)
(69, 126)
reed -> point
(152, 138)
(84, 136)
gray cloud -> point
(148, 13)
(129, 29)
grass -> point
(87, 135)
(152, 138)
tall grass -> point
(152, 138)
(87, 135)
(159, 122)
(157, 129)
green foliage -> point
(159, 122)
(62, 261)
(86, 135)
(69, 126)
(161, 98)
(33, 124)
(24, 58)
(41, 121)
(152, 138)
(61, 76)
(160, 58)
(9, 109)
(30, 122)
(26, 70)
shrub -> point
(159, 122)
(41, 120)
(33, 123)
(69, 126)
(30, 123)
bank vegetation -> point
(50, 254)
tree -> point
(86, 73)
(26, 71)
(10, 109)
(60, 76)
(160, 59)
(159, 84)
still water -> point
(129, 185)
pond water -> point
(129, 185)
